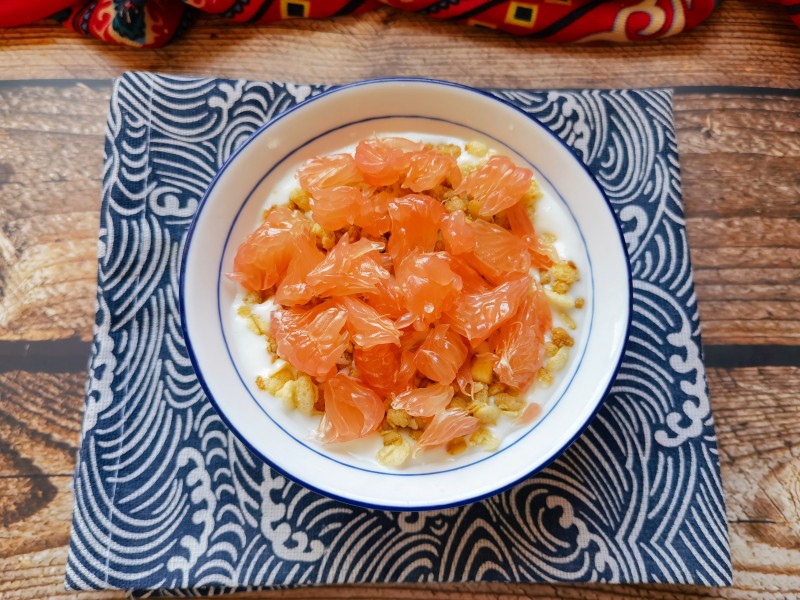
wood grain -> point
(741, 185)
(51, 151)
(739, 156)
(758, 425)
(741, 189)
(744, 43)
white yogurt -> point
(254, 359)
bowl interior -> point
(251, 180)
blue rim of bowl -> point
(221, 413)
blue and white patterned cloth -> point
(167, 498)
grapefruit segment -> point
(496, 186)
(457, 234)
(424, 402)
(352, 410)
(415, 225)
(377, 366)
(293, 288)
(542, 257)
(412, 339)
(472, 282)
(404, 378)
(373, 212)
(387, 298)
(262, 259)
(348, 269)
(520, 342)
(384, 161)
(497, 252)
(441, 354)
(448, 425)
(386, 368)
(368, 328)
(428, 169)
(464, 378)
(428, 285)
(311, 341)
(476, 316)
(336, 207)
(328, 171)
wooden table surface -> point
(737, 109)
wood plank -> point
(739, 156)
(51, 152)
(758, 425)
(741, 188)
(744, 43)
(39, 431)
(755, 138)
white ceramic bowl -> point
(231, 209)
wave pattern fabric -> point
(166, 497)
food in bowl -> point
(227, 357)
(402, 291)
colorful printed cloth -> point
(152, 23)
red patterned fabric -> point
(572, 20)
(20, 12)
(152, 23)
(793, 7)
